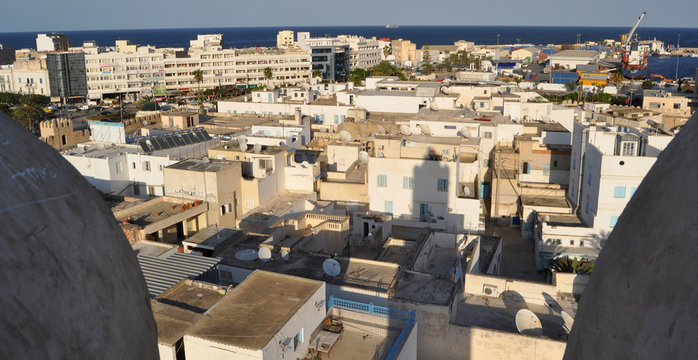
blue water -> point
(266, 36)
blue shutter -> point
(619, 191)
(614, 220)
(388, 207)
(546, 169)
(632, 191)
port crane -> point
(634, 61)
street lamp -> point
(676, 76)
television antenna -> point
(363, 156)
(345, 136)
(528, 323)
(264, 254)
(331, 267)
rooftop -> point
(211, 236)
(254, 312)
(575, 54)
(548, 201)
(162, 273)
(424, 288)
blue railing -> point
(396, 314)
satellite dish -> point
(527, 323)
(246, 255)
(331, 267)
(284, 255)
(242, 139)
(144, 122)
(405, 130)
(281, 143)
(243, 146)
(257, 148)
(363, 156)
(264, 254)
(433, 107)
(345, 136)
(569, 321)
(547, 218)
(382, 130)
(466, 190)
(426, 130)
(464, 132)
(422, 115)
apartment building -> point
(405, 52)
(52, 42)
(365, 53)
(284, 39)
(26, 76)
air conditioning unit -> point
(490, 290)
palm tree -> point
(268, 73)
(29, 113)
(199, 78)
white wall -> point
(326, 112)
(200, 349)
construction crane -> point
(632, 30)
(634, 61)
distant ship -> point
(392, 26)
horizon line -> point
(346, 26)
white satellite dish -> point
(466, 190)
(426, 130)
(547, 218)
(345, 136)
(264, 254)
(433, 107)
(405, 130)
(246, 255)
(145, 122)
(257, 148)
(464, 132)
(382, 130)
(243, 146)
(363, 156)
(242, 139)
(331, 267)
(281, 143)
(284, 255)
(527, 323)
(569, 321)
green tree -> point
(29, 113)
(617, 78)
(571, 85)
(573, 266)
(427, 67)
(199, 78)
(268, 73)
(386, 69)
(387, 50)
(358, 76)
(647, 84)
(317, 73)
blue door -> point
(269, 97)
(388, 207)
(484, 189)
(423, 212)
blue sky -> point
(64, 15)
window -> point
(574, 164)
(160, 167)
(488, 134)
(558, 242)
(677, 106)
(586, 207)
(249, 202)
(118, 167)
(571, 242)
(614, 220)
(581, 243)
(382, 180)
(146, 166)
(136, 189)
(451, 127)
(133, 164)
(589, 179)
(525, 168)
(628, 148)
(442, 185)
(226, 208)
(388, 207)
(619, 191)
(554, 163)
(546, 169)
(407, 182)
(632, 191)
(654, 105)
(297, 340)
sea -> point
(240, 37)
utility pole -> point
(498, 39)
(676, 76)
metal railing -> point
(395, 314)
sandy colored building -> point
(405, 52)
(59, 133)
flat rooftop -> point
(143, 213)
(261, 218)
(253, 313)
(211, 236)
(561, 219)
(424, 288)
(500, 313)
(548, 201)
(180, 113)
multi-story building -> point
(365, 53)
(284, 39)
(67, 76)
(405, 52)
(207, 42)
(330, 56)
(52, 42)
(7, 55)
(25, 76)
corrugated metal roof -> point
(161, 274)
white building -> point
(320, 112)
(128, 170)
(284, 39)
(207, 42)
(25, 77)
(365, 53)
(52, 42)
(569, 59)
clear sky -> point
(65, 15)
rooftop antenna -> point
(363, 156)
(264, 254)
(331, 267)
(528, 323)
(464, 132)
(426, 130)
(405, 130)
(382, 130)
(345, 136)
(284, 255)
